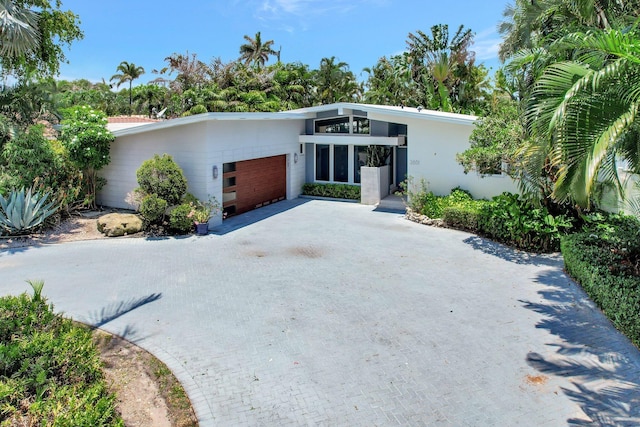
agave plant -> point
(22, 210)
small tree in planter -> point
(375, 176)
(377, 156)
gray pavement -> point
(327, 313)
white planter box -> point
(374, 184)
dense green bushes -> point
(512, 220)
(162, 176)
(605, 259)
(180, 218)
(30, 160)
(50, 371)
(506, 218)
(337, 191)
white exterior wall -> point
(432, 147)
(197, 147)
(185, 144)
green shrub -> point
(464, 215)
(516, 222)
(189, 198)
(604, 260)
(31, 160)
(153, 207)
(180, 218)
(337, 191)
(198, 109)
(50, 371)
(163, 177)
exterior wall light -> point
(215, 171)
(295, 157)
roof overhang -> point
(209, 117)
(400, 114)
(337, 139)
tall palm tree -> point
(587, 110)
(19, 32)
(255, 51)
(335, 83)
(128, 72)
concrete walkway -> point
(328, 313)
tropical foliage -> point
(127, 72)
(33, 34)
(23, 210)
(87, 140)
(50, 370)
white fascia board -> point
(200, 118)
(382, 112)
(337, 139)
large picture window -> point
(341, 163)
(322, 162)
(344, 125)
(337, 125)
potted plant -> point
(375, 175)
(202, 212)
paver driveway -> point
(330, 313)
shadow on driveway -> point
(600, 363)
(243, 220)
(117, 309)
(512, 255)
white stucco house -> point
(247, 160)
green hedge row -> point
(604, 260)
(50, 370)
(336, 191)
(506, 218)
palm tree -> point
(587, 111)
(128, 72)
(335, 83)
(255, 51)
(443, 66)
(19, 32)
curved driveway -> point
(326, 313)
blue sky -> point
(357, 32)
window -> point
(229, 182)
(341, 163)
(322, 162)
(337, 125)
(359, 160)
(361, 126)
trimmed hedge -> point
(336, 191)
(50, 370)
(604, 261)
(464, 216)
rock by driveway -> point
(328, 313)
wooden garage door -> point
(251, 184)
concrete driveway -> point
(327, 313)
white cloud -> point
(283, 10)
(487, 44)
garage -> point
(251, 184)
